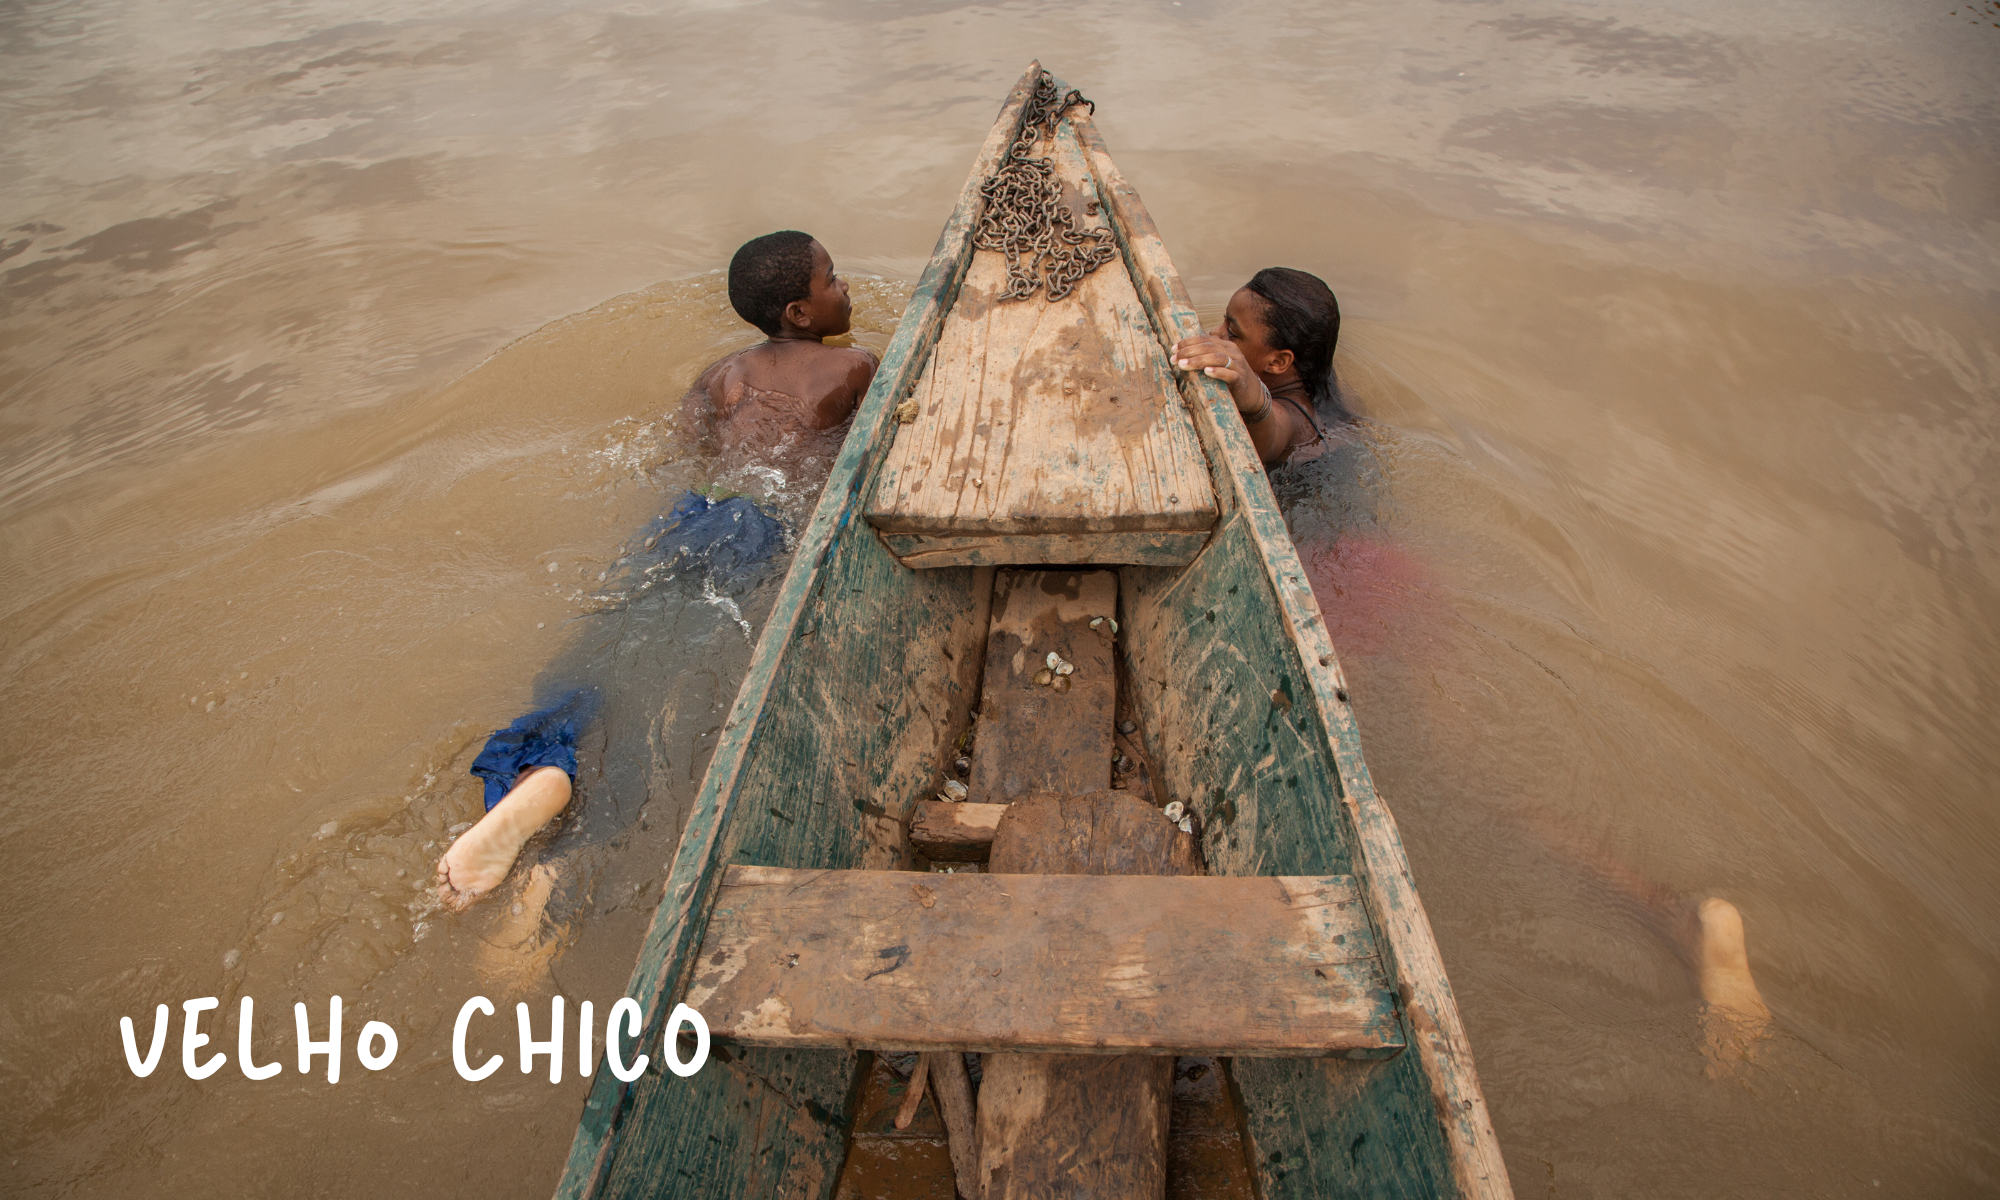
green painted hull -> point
(863, 673)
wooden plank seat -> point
(1061, 964)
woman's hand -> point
(1218, 358)
(1271, 425)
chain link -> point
(1025, 218)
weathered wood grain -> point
(948, 832)
(1291, 792)
(1032, 737)
(923, 551)
(1055, 1123)
(1037, 420)
(1074, 1125)
(1048, 964)
(1098, 833)
(906, 1112)
(953, 1088)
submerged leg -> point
(1734, 1015)
(483, 854)
(1708, 934)
(517, 953)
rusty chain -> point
(1025, 218)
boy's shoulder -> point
(843, 354)
(767, 359)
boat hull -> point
(864, 675)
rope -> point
(1025, 218)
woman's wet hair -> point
(1303, 317)
(768, 273)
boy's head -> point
(783, 283)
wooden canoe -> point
(864, 675)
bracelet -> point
(1265, 412)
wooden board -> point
(1038, 419)
(1074, 1125)
(1048, 964)
(946, 832)
(1031, 737)
(1155, 548)
(952, 1086)
(1100, 833)
(1053, 1124)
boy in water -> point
(789, 396)
(793, 393)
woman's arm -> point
(1273, 427)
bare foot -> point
(483, 854)
(1734, 1017)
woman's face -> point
(1243, 324)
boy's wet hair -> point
(1303, 317)
(768, 273)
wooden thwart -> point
(1065, 964)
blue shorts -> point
(544, 738)
(726, 544)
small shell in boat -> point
(1096, 621)
(1066, 669)
(1043, 676)
(955, 789)
(1113, 623)
(1187, 824)
(1127, 728)
(963, 766)
(1175, 811)
(1054, 660)
(1061, 684)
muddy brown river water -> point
(339, 353)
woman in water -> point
(1274, 348)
